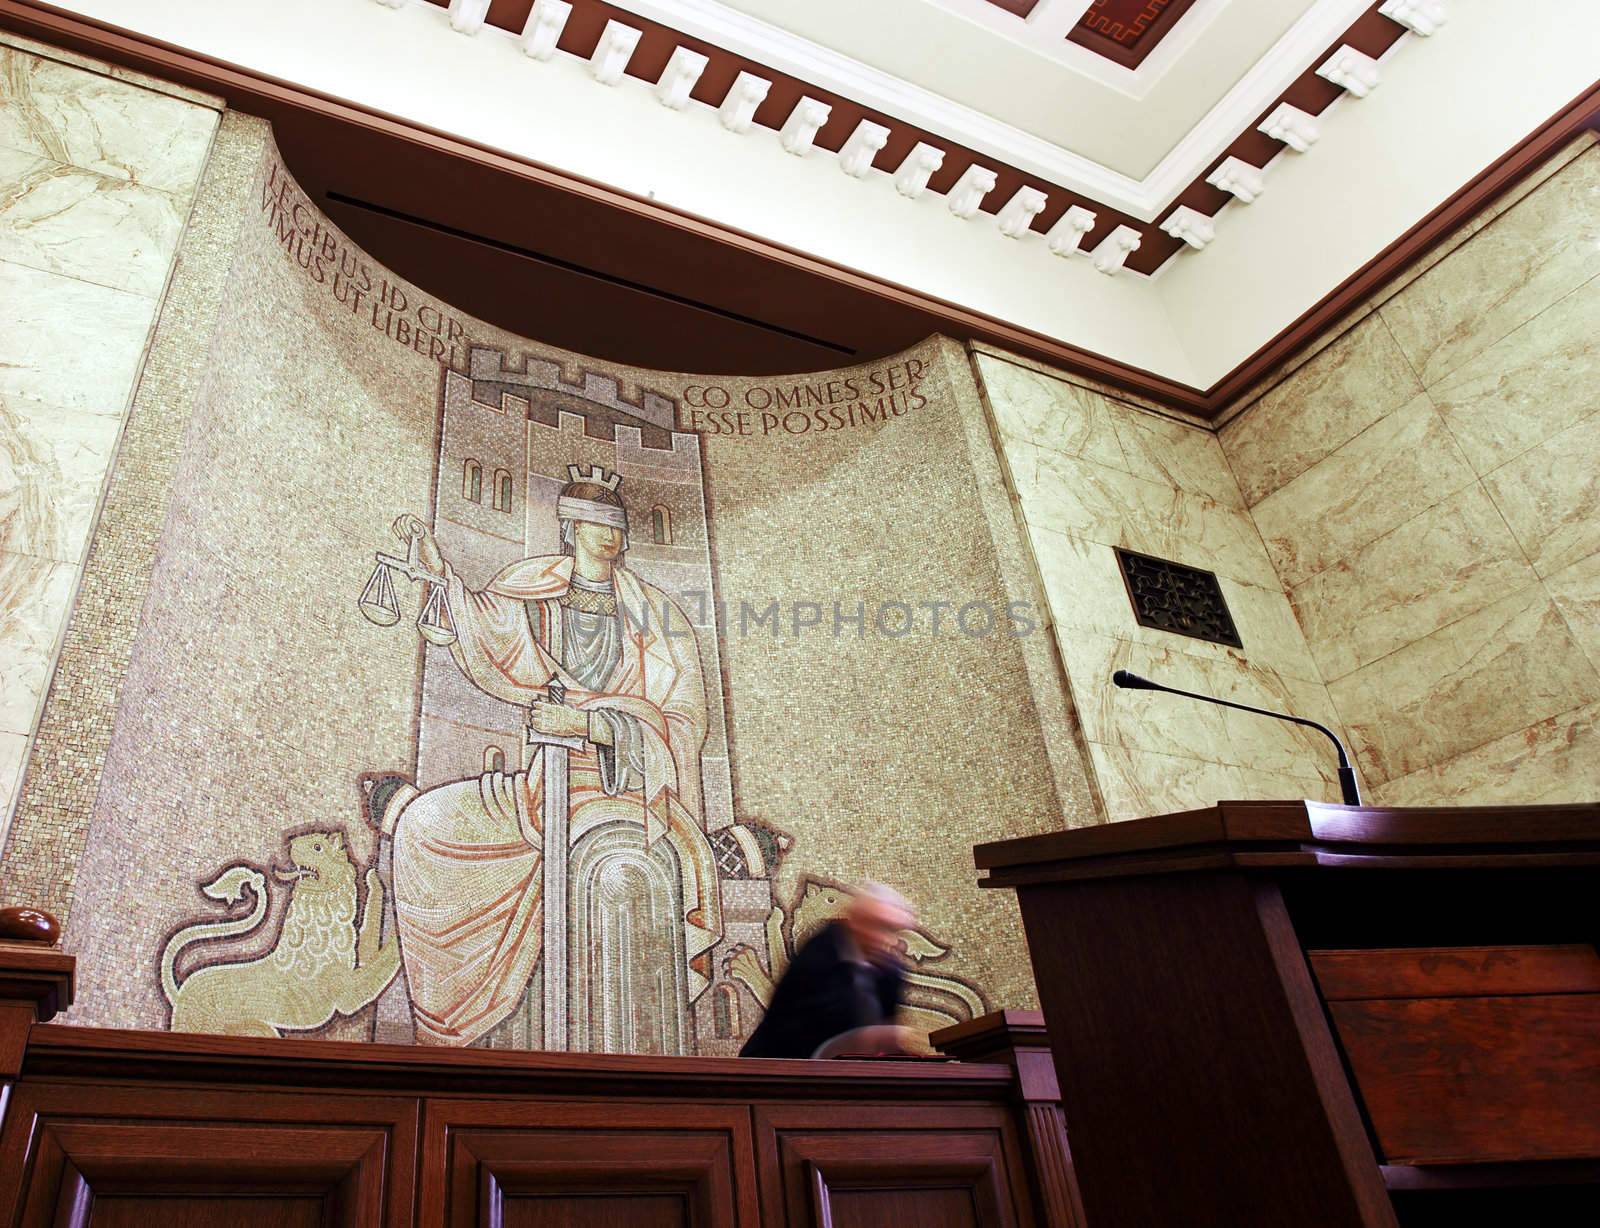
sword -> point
(556, 845)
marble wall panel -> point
(1548, 762)
(1163, 450)
(1447, 563)
(1526, 259)
(93, 120)
(70, 343)
(1355, 382)
(96, 177)
(1439, 560)
(13, 751)
(52, 464)
(1050, 413)
(1576, 592)
(1166, 489)
(96, 228)
(1528, 386)
(1085, 589)
(1499, 670)
(1396, 468)
(1146, 720)
(1550, 496)
(1137, 783)
(1392, 470)
(35, 594)
(1111, 506)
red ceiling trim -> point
(248, 90)
(1020, 7)
(1371, 33)
(1126, 31)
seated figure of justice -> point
(607, 668)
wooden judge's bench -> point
(133, 1129)
(1262, 1014)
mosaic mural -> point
(477, 693)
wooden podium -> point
(1292, 1013)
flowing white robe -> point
(468, 857)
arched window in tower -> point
(494, 759)
(725, 1012)
(502, 491)
(472, 482)
(661, 526)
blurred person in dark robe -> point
(842, 990)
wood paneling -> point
(598, 1211)
(1186, 973)
(1471, 1054)
(123, 1128)
(1450, 972)
(900, 1208)
(816, 1158)
(484, 1161)
(67, 1148)
(1474, 1080)
(179, 1212)
(1204, 1079)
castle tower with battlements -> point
(507, 436)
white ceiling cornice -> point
(1298, 50)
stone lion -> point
(324, 963)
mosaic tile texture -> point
(261, 735)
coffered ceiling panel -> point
(1027, 73)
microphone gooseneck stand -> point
(1348, 789)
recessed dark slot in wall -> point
(556, 262)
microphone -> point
(1347, 774)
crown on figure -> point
(596, 474)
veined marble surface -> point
(53, 463)
(1170, 724)
(96, 228)
(1552, 761)
(1090, 473)
(1535, 253)
(1395, 469)
(1086, 592)
(13, 750)
(1184, 457)
(1447, 563)
(1550, 496)
(1138, 783)
(1051, 413)
(34, 596)
(71, 115)
(69, 343)
(96, 176)
(60, 54)
(1107, 505)
(1576, 592)
(1499, 670)
(1355, 382)
(1529, 385)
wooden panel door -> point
(920, 1166)
(587, 1165)
(85, 1156)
